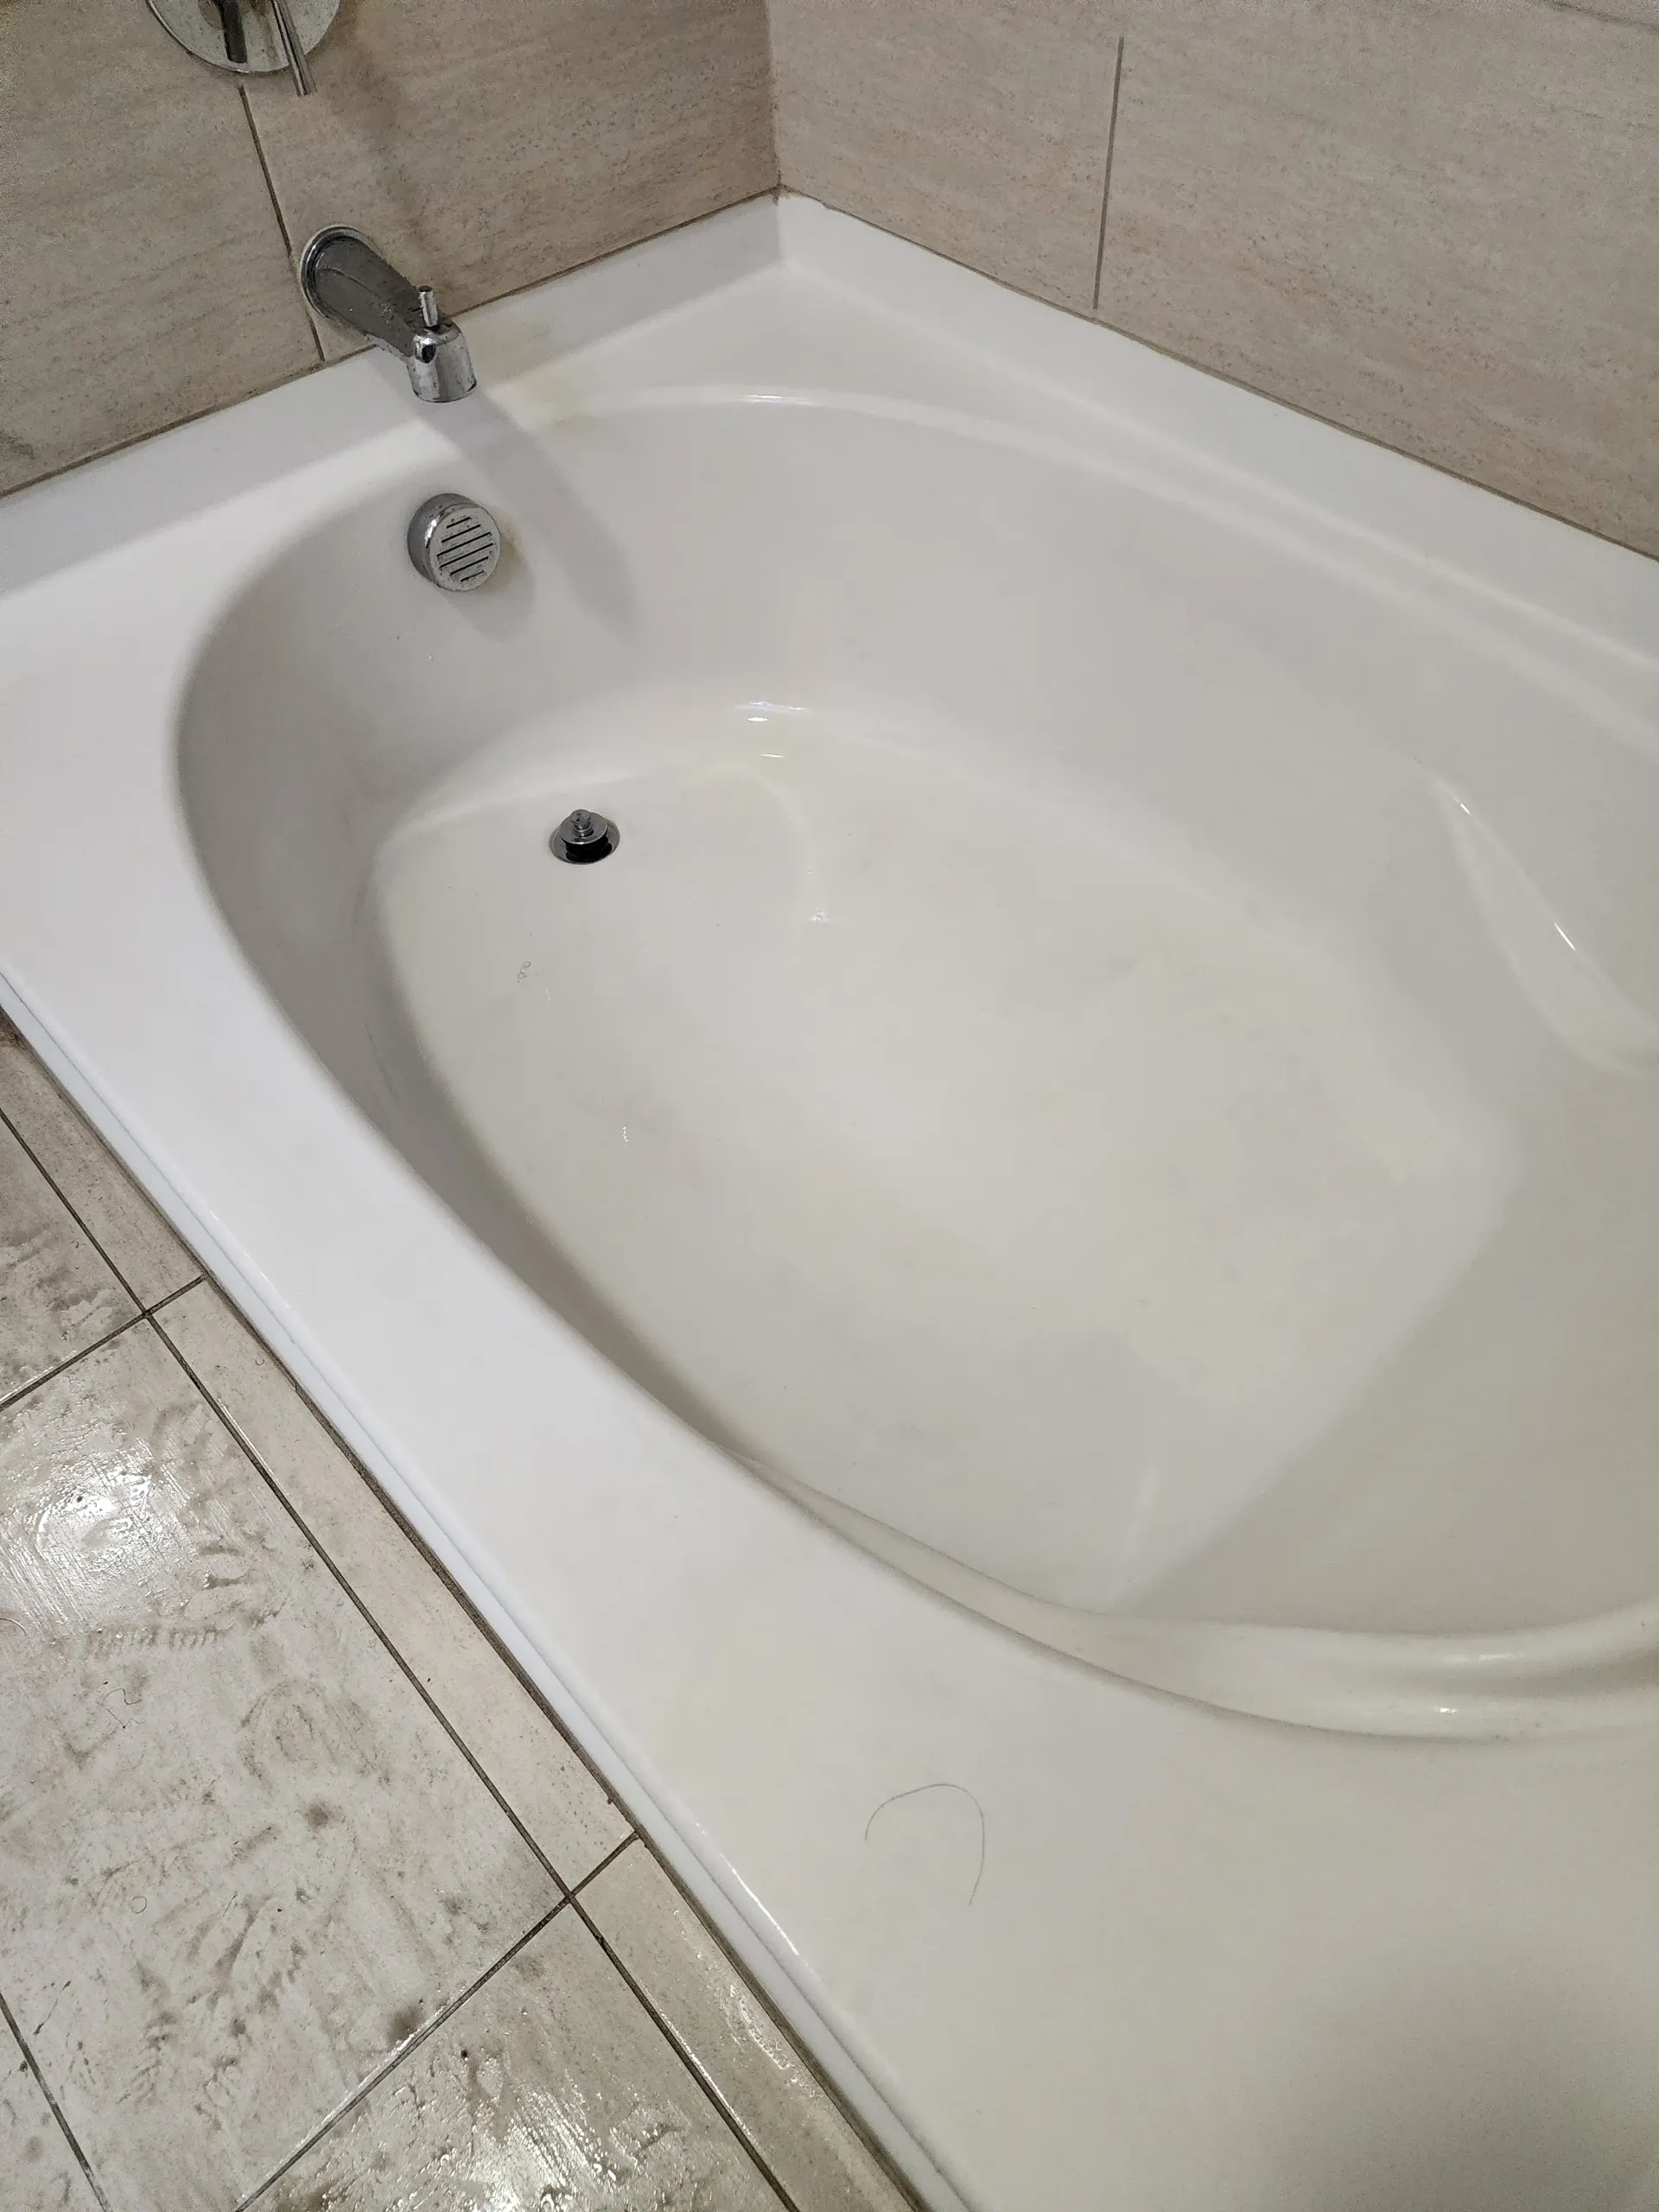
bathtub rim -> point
(68, 1053)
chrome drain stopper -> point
(583, 837)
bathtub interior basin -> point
(1113, 1060)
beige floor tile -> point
(577, 129)
(549, 2089)
(783, 2110)
(57, 1296)
(1435, 224)
(132, 1236)
(240, 1862)
(980, 131)
(505, 1727)
(140, 261)
(38, 2172)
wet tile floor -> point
(306, 1902)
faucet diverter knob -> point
(348, 280)
(439, 365)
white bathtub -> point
(1106, 1093)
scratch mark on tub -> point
(921, 1790)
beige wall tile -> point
(240, 1862)
(487, 146)
(37, 2168)
(976, 127)
(57, 1296)
(141, 267)
(550, 2086)
(1434, 221)
(127, 1228)
(780, 2104)
(513, 1739)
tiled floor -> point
(305, 1901)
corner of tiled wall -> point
(489, 146)
(1434, 222)
(976, 127)
(151, 207)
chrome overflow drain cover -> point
(454, 542)
(584, 836)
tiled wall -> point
(147, 209)
(1434, 221)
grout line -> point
(377, 1496)
(194, 1283)
(69, 2136)
(570, 1893)
(144, 1314)
(693, 2065)
(771, 107)
(276, 210)
(367, 2088)
(62, 1196)
(1106, 181)
(900, 2183)
(381, 1504)
(609, 1860)
(63, 1366)
(509, 1659)
(244, 1445)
